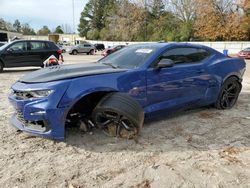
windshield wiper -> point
(110, 64)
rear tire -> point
(74, 52)
(119, 115)
(92, 52)
(229, 94)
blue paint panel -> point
(179, 87)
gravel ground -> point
(199, 148)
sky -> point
(38, 13)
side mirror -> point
(9, 50)
(164, 63)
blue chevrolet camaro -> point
(118, 91)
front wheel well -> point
(233, 76)
(83, 108)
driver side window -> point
(19, 46)
(186, 55)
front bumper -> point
(39, 116)
(24, 126)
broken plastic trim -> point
(41, 125)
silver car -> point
(82, 48)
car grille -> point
(20, 117)
(41, 126)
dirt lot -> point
(199, 148)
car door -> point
(183, 84)
(16, 55)
(38, 52)
(87, 48)
(80, 48)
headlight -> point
(39, 94)
(32, 94)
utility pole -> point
(146, 20)
(73, 11)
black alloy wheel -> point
(118, 115)
(229, 94)
(116, 125)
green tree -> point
(157, 8)
(6, 26)
(3, 24)
(44, 31)
(94, 17)
(166, 28)
(169, 20)
(27, 30)
(59, 30)
(126, 22)
(85, 19)
(17, 26)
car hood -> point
(61, 72)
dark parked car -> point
(244, 53)
(2, 43)
(111, 50)
(99, 47)
(23, 53)
(115, 93)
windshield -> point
(4, 46)
(130, 57)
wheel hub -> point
(116, 125)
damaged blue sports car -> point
(116, 93)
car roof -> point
(23, 40)
(169, 44)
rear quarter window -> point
(38, 46)
(186, 55)
(52, 46)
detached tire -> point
(119, 115)
(229, 94)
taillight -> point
(59, 51)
